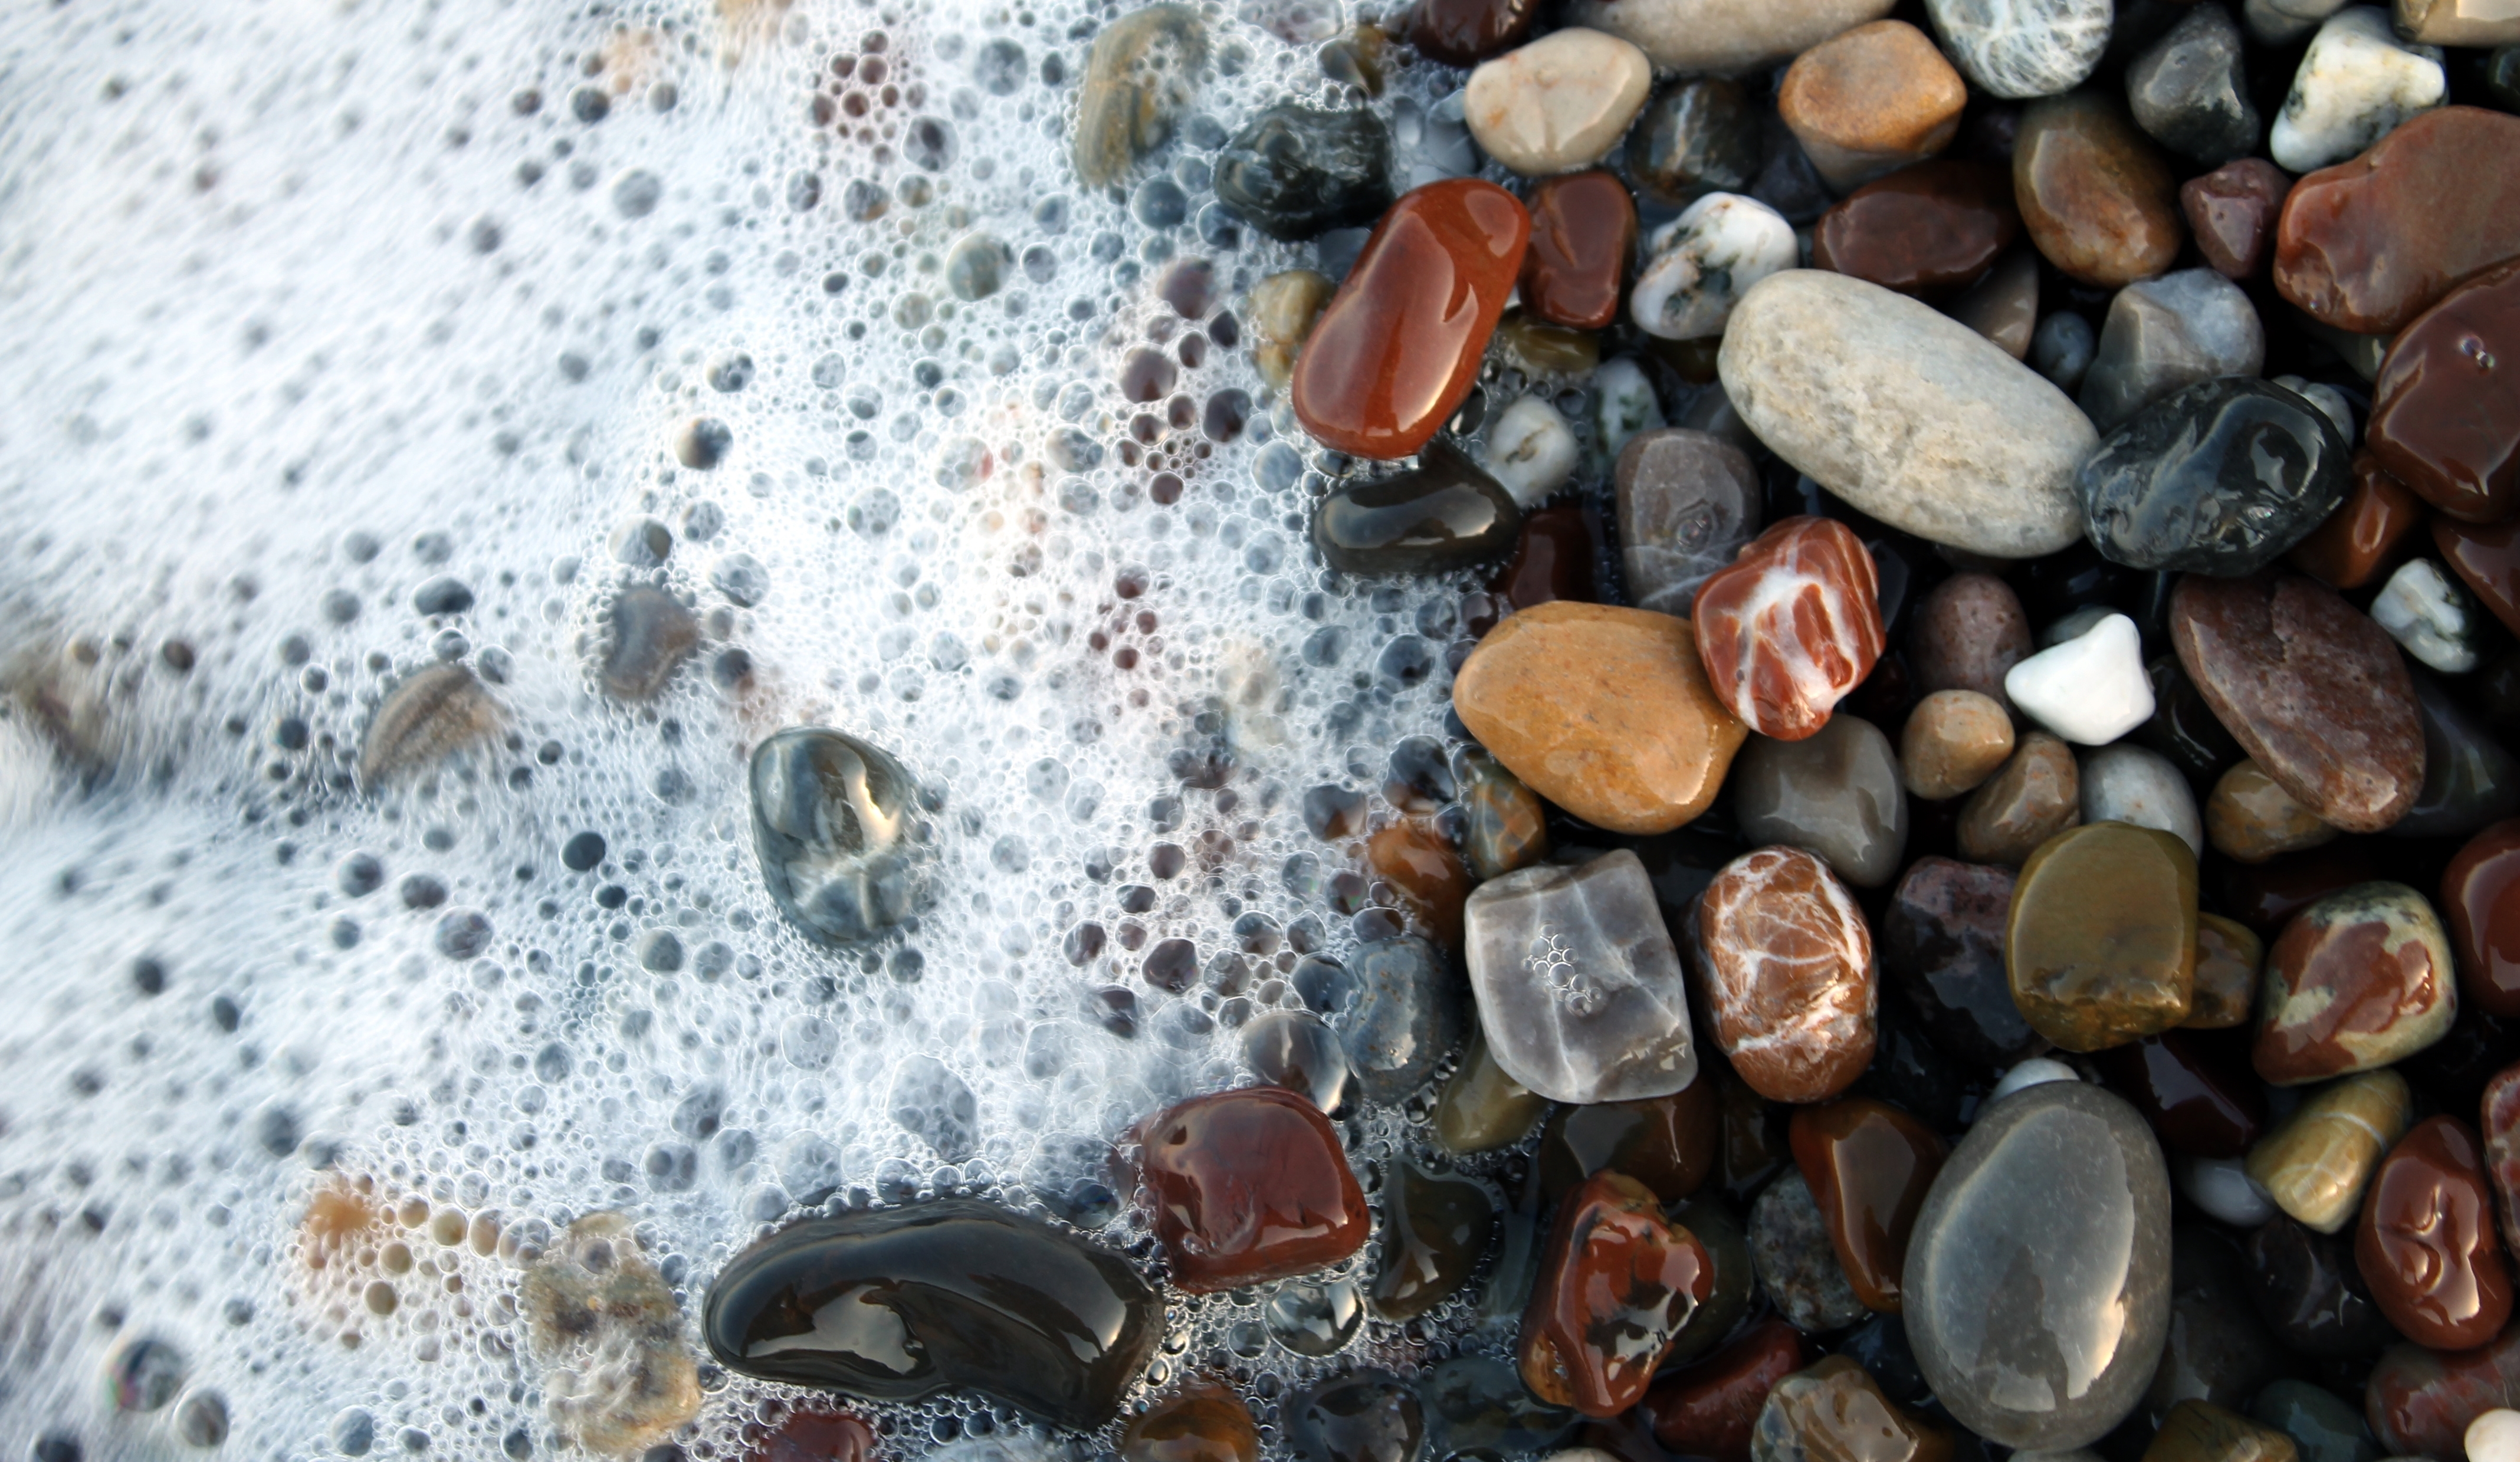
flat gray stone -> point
(2037, 1279)
(2023, 47)
(1725, 37)
(1835, 794)
(1906, 413)
(1688, 502)
(1577, 983)
(2162, 335)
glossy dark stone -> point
(2188, 90)
(2195, 1104)
(2367, 537)
(1880, 1346)
(1405, 1020)
(1665, 1142)
(2232, 210)
(1868, 1165)
(2446, 408)
(2184, 728)
(1444, 513)
(2304, 1284)
(1436, 1229)
(1708, 1409)
(837, 826)
(2265, 896)
(1372, 1416)
(1700, 135)
(1294, 1049)
(2426, 1242)
(2480, 899)
(899, 1304)
(1910, 1071)
(1717, 1226)
(1942, 948)
(2323, 1425)
(2470, 779)
(1465, 33)
(1202, 1422)
(1552, 560)
(1293, 171)
(2487, 558)
(1249, 1185)
(1476, 1406)
(2216, 1351)
(2221, 478)
(2420, 1401)
(1583, 229)
(1617, 1281)
(1928, 229)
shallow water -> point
(311, 306)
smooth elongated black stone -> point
(836, 824)
(2219, 479)
(1444, 513)
(1294, 172)
(898, 1304)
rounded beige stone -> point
(1558, 103)
(1724, 38)
(1872, 101)
(1953, 741)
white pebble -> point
(2356, 83)
(2031, 1073)
(1626, 404)
(1530, 451)
(2092, 689)
(2424, 611)
(2133, 784)
(1559, 102)
(2494, 1436)
(1705, 260)
(2222, 1187)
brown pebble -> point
(2038, 795)
(1969, 631)
(1871, 101)
(2250, 818)
(1954, 740)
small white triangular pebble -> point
(2494, 1436)
(2090, 689)
(2221, 1186)
(2031, 1073)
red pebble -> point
(2420, 1401)
(1616, 1283)
(1250, 1185)
(2500, 1114)
(1708, 1409)
(818, 1436)
(1583, 228)
(2231, 211)
(2426, 1242)
(1398, 349)
(2480, 898)
(1791, 626)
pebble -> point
(1626, 404)
(1791, 626)
(2469, 778)
(1709, 1409)
(2445, 411)
(2090, 689)
(1465, 33)
(2125, 783)
(2305, 1286)
(1202, 1422)
(2023, 47)
(1797, 1266)
(2099, 946)
(2368, 535)
(2278, 23)
(2194, 1104)
(1296, 172)
(2425, 1243)
(2037, 1070)
(2478, 899)
(1444, 513)
(2228, 957)
(1906, 413)
(2197, 1431)
(1699, 265)
(1366, 1416)
(2314, 691)
(1583, 229)
(2359, 980)
(1688, 502)
(1604, 711)
(1478, 1402)
(1872, 101)
(1481, 1108)
(2222, 477)
(1787, 973)
(1835, 1410)
(2420, 1403)
(1577, 983)
(1966, 634)
(2316, 1163)
(2221, 1187)
(432, 715)
(1699, 135)
(1530, 451)
(2356, 83)
(2493, 1437)
(1868, 1165)
(1313, 1319)
(2487, 560)
(1665, 1142)
(1404, 1019)
(1297, 1051)
(1556, 104)
(1142, 72)
(1281, 312)
(2038, 1280)
(2425, 611)
(2231, 212)
(1715, 37)
(1617, 1280)
(2217, 1353)
(1247, 1186)
(2161, 335)
(2323, 1424)
(2251, 818)
(647, 635)
(1504, 824)
(1953, 741)
(2095, 195)
(1399, 346)
(836, 824)
(2034, 796)
(1942, 946)
(2189, 90)
(1836, 793)
(960, 1293)
(2004, 306)
(1929, 230)
(2367, 245)
(1424, 874)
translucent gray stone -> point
(837, 826)
(1688, 502)
(1403, 1019)
(1577, 983)
(1836, 793)
(2037, 1279)
(1789, 1248)
(2165, 334)
(1294, 1050)
(1313, 1319)
(2023, 47)
(2189, 93)
(2129, 784)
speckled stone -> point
(2356, 82)
(1834, 793)
(2315, 1163)
(1966, 634)
(1835, 1410)
(1143, 70)
(1942, 946)
(1699, 265)
(1797, 1267)
(2024, 48)
(1698, 37)
(2038, 1280)
(1559, 102)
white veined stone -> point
(2023, 47)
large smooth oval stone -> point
(2370, 244)
(893, 1305)
(1906, 413)
(837, 827)
(2219, 478)
(1445, 513)
(2445, 411)
(2038, 1278)
(1696, 37)
(2311, 690)
(1399, 346)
